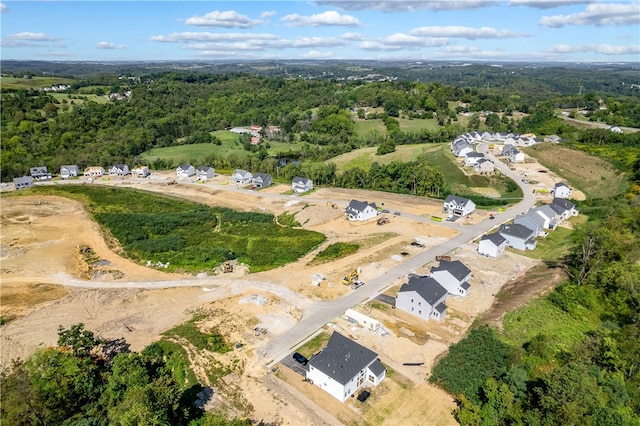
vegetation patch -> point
(211, 340)
(556, 245)
(364, 157)
(335, 251)
(314, 345)
(185, 236)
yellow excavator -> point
(352, 278)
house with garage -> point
(69, 171)
(461, 149)
(454, 276)
(513, 154)
(94, 171)
(423, 297)
(40, 173)
(458, 206)
(492, 245)
(343, 367)
(185, 170)
(484, 166)
(548, 215)
(360, 211)
(472, 158)
(562, 190)
(206, 172)
(518, 236)
(140, 171)
(119, 170)
(564, 208)
(23, 182)
(301, 184)
(261, 180)
(531, 220)
(241, 176)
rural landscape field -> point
(319, 241)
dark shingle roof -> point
(302, 180)
(495, 238)
(516, 230)
(428, 288)
(184, 166)
(459, 200)
(465, 285)
(441, 307)
(262, 176)
(342, 358)
(561, 204)
(358, 206)
(377, 368)
(455, 268)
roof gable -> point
(342, 358)
(495, 238)
(455, 268)
(517, 230)
(427, 287)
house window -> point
(419, 303)
(411, 300)
(419, 312)
(412, 309)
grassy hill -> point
(365, 156)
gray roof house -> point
(518, 236)
(549, 215)
(40, 173)
(140, 171)
(69, 171)
(119, 170)
(472, 158)
(564, 208)
(458, 206)
(454, 276)
(423, 297)
(461, 149)
(241, 176)
(185, 170)
(531, 220)
(484, 165)
(344, 366)
(206, 172)
(23, 182)
(561, 190)
(492, 245)
(301, 184)
(261, 180)
(360, 211)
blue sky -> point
(464, 30)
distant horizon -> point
(530, 31)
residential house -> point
(423, 297)
(360, 211)
(69, 171)
(255, 140)
(185, 170)
(531, 220)
(119, 170)
(561, 190)
(301, 184)
(94, 171)
(548, 215)
(343, 367)
(492, 245)
(461, 149)
(454, 276)
(513, 153)
(484, 166)
(40, 173)
(140, 171)
(472, 158)
(206, 172)
(241, 176)
(564, 208)
(458, 206)
(518, 236)
(23, 182)
(261, 180)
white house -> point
(40, 173)
(548, 215)
(484, 166)
(261, 180)
(23, 182)
(454, 276)
(360, 211)
(492, 245)
(301, 184)
(513, 153)
(241, 176)
(472, 158)
(531, 220)
(458, 206)
(423, 297)
(562, 190)
(94, 171)
(206, 172)
(564, 208)
(344, 366)
(119, 170)
(140, 171)
(185, 170)
(518, 236)
(69, 171)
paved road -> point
(316, 316)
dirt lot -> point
(40, 237)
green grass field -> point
(365, 156)
(364, 127)
(417, 125)
(90, 98)
(32, 83)
(553, 247)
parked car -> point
(300, 358)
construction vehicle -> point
(227, 267)
(443, 258)
(352, 277)
(382, 220)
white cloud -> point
(464, 32)
(107, 45)
(3, 8)
(186, 37)
(226, 19)
(26, 39)
(314, 54)
(400, 41)
(329, 18)
(601, 14)
(548, 4)
(407, 6)
(602, 49)
(268, 14)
